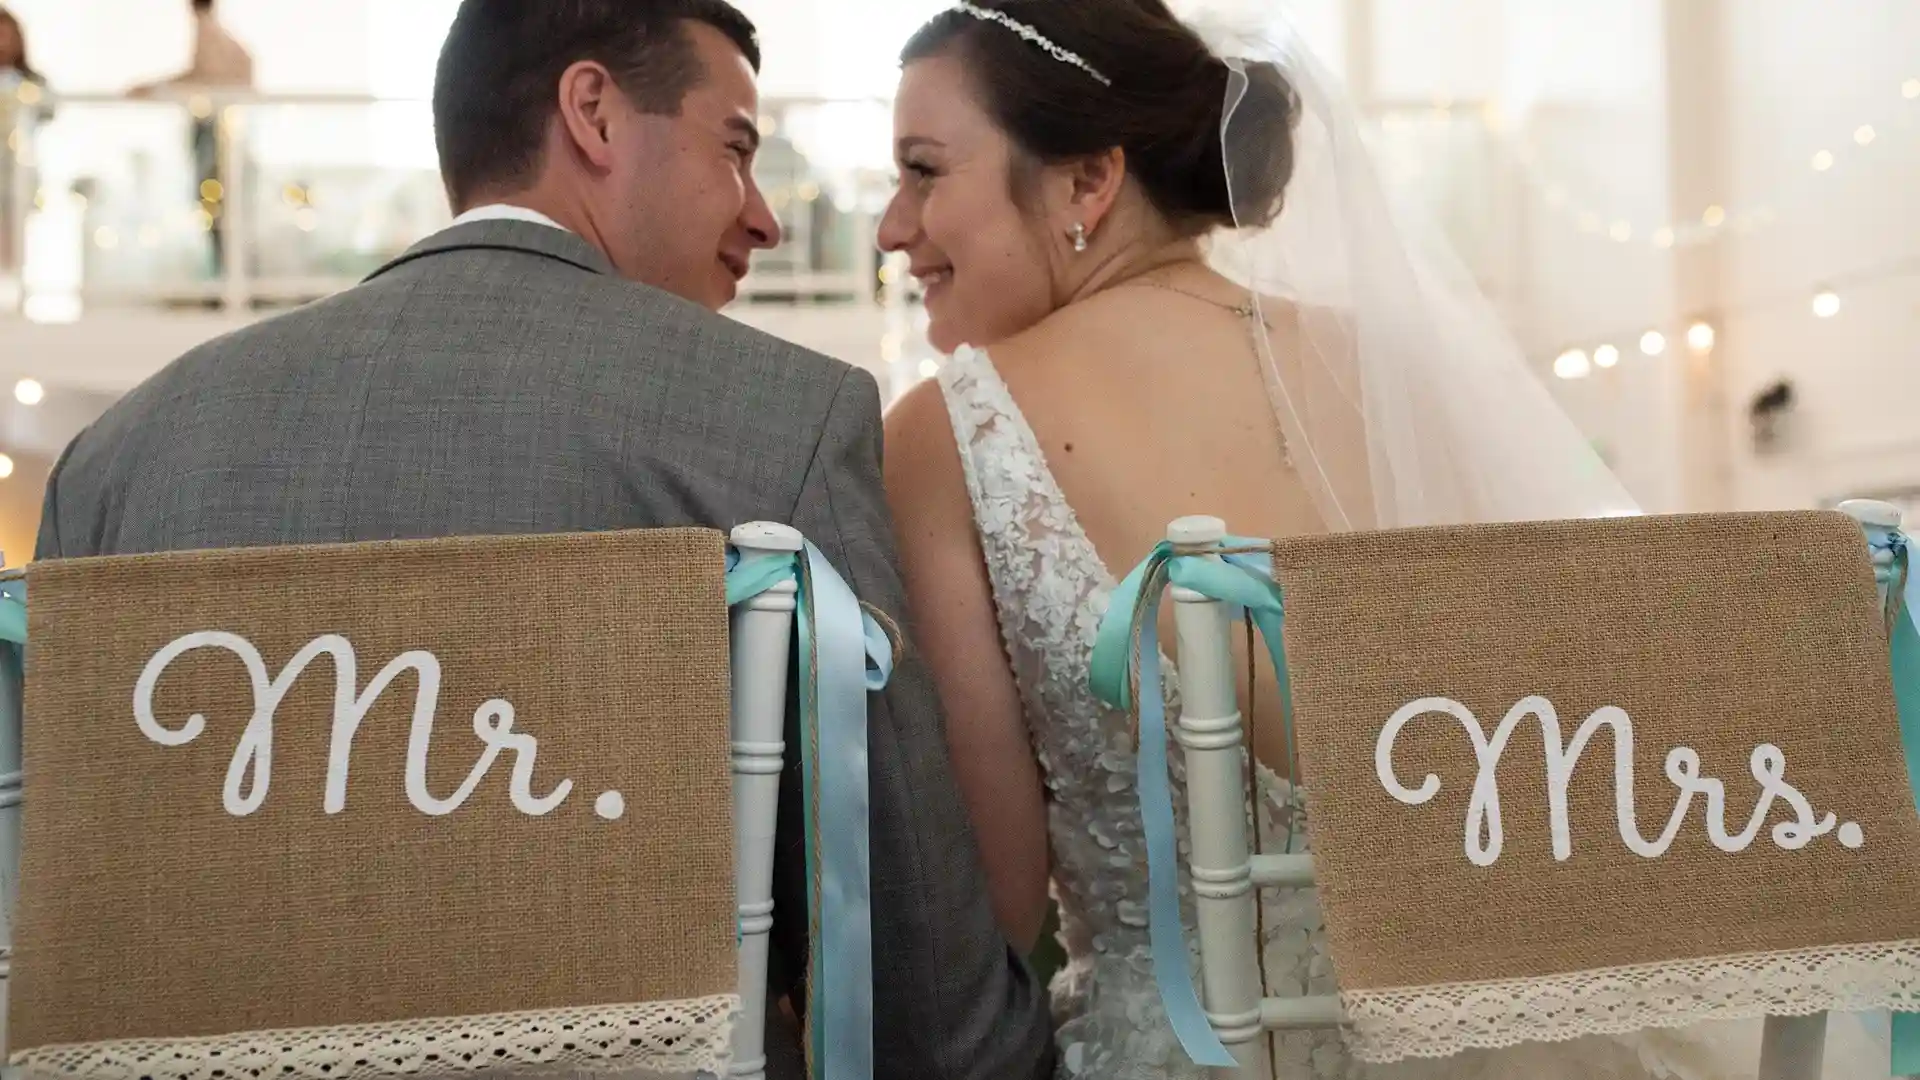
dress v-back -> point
(1050, 589)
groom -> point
(552, 362)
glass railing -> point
(251, 201)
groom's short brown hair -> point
(497, 84)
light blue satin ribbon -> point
(1904, 649)
(1245, 583)
(853, 657)
(13, 674)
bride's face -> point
(982, 258)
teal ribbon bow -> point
(1902, 581)
(1244, 581)
(843, 655)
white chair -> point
(1226, 874)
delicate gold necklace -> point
(1246, 311)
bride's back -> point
(1149, 404)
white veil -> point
(1403, 399)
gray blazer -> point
(498, 378)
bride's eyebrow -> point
(914, 142)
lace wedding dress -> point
(1051, 590)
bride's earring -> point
(1079, 237)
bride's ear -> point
(1093, 186)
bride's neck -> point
(1120, 267)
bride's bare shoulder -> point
(1144, 328)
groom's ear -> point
(588, 98)
(1097, 180)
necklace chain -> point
(1246, 311)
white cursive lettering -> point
(250, 772)
(1484, 833)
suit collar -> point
(502, 234)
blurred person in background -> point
(219, 63)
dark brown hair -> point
(20, 35)
(1164, 109)
(496, 87)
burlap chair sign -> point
(418, 807)
(1600, 776)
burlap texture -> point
(148, 911)
(1716, 632)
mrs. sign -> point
(1485, 833)
(1738, 666)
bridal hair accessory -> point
(1035, 36)
(1079, 237)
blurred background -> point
(1700, 217)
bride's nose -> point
(899, 226)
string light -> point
(1712, 218)
(1701, 337)
(29, 392)
(1701, 334)
(1572, 364)
(6, 466)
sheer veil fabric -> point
(1403, 399)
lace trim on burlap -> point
(659, 1038)
(1438, 1021)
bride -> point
(1095, 190)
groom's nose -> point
(757, 218)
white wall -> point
(1586, 97)
(1804, 75)
(1641, 114)
(109, 45)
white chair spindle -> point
(761, 650)
(1211, 734)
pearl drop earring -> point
(1079, 237)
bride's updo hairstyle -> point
(1163, 107)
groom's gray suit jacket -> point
(498, 378)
